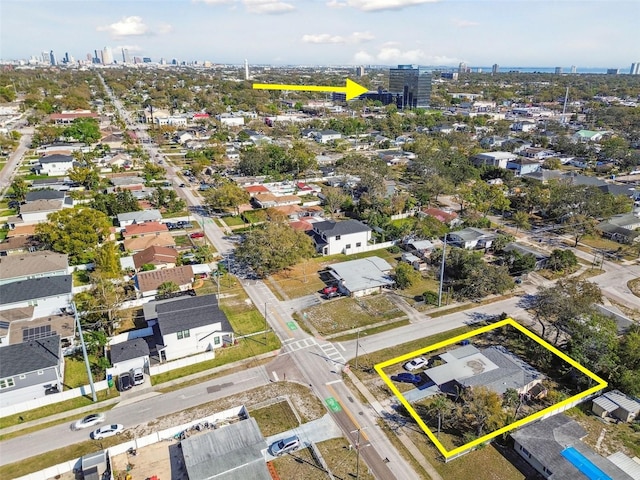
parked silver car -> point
(285, 445)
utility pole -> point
(444, 254)
(357, 348)
(84, 353)
(265, 323)
(358, 451)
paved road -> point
(9, 170)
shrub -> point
(430, 298)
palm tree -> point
(440, 405)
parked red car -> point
(197, 235)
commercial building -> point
(635, 68)
(414, 83)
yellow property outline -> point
(450, 453)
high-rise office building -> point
(66, 57)
(107, 56)
(414, 83)
(126, 58)
(613, 71)
(573, 69)
(360, 71)
(52, 58)
(635, 69)
(44, 58)
(558, 70)
(246, 69)
(495, 68)
(462, 67)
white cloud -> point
(359, 37)
(268, 6)
(164, 28)
(214, 2)
(374, 5)
(327, 38)
(391, 55)
(460, 23)
(336, 4)
(323, 38)
(126, 27)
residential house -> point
(267, 200)
(141, 216)
(55, 165)
(35, 195)
(365, 276)
(416, 262)
(48, 295)
(472, 238)
(554, 448)
(43, 263)
(622, 228)
(588, 136)
(37, 211)
(493, 141)
(190, 325)
(61, 184)
(523, 126)
(495, 368)
(541, 257)
(326, 136)
(29, 369)
(159, 239)
(616, 404)
(254, 190)
(231, 119)
(160, 257)
(449, 218)
(129, 354)
(113, 138)
(537, 153)
(66, 117)
(523, 166)
(18, 325)
(18, 244)
(144, 229)
(493, 159)
(147, 283)
(349, 236)
(421, 248)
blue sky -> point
(597, 33)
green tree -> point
(561, 260)
(107, 260)
(19, 188)
(85, 130)
(229, 195)
(440, 406)
(406, 275)
(87, 176)
(113, 204)
(274, 246)
(482, 410)
(593, 342)
(334, 198)
(521, 220)
(167, 287)
(76, 232)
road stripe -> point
(333, 381)
(340, 345)
(275, 376)
(349, 414)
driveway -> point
(313, 432)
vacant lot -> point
(347, 313)
(275, 418)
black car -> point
(124, 382)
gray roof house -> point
(361, 277)
(495, 368)
(189, 325)
(472, 238)
(130, 354)
(30, 265)
(540, 256)
(49, 295)
(617, 405)
(44, 195)
(349, 236)
(227, 453)
(28, 368)
(129, 218)
(621, 228)
(554, 448)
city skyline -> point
(527, 33)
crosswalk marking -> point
(332, 352)
(300, 344)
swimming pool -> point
(583, 464)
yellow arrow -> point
(352, 89)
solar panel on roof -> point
(33, 333)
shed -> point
(130, 354)
(616, 404)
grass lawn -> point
(233, 221)
(75, 372)
(181, 213)
(3, 233)
(371, 331)
(301, 279)
(347, 313)
(54, 408)
(182, 241)
(275, 418)
(81, 277)
(340, 460)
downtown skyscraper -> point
(413, 83)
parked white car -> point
(88, 421)
(416, 364)
(107, 431)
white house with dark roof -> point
(349, 236)
(190, 325)
(554, 448)
(493, 159)
(326, 136)
(37, 211)
(48, 295)
(27, 369)
(55, 165)
(34, 195)
(128, 355)
(472, 238)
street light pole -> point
(357, 348)
(357, 432)
(444, 254)
(84, 353)
(265, 323)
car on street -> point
(182, 185)
(88, 421)
(284, 445)
(137, 374)
(124, 382)
(416, 364)
(107, 431)
(406, 377)
(197, 235)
